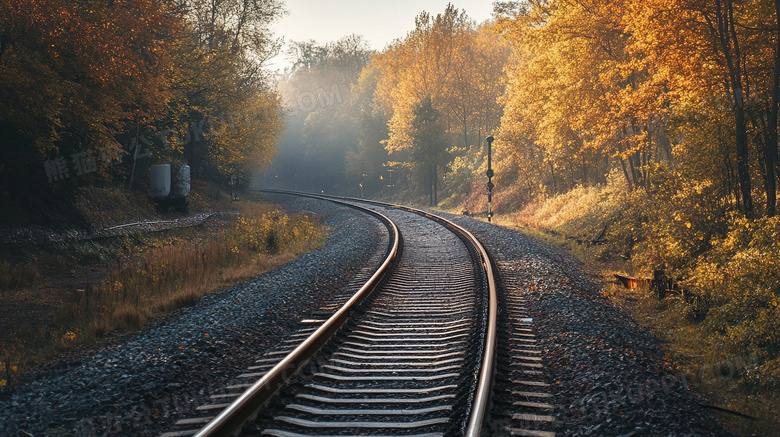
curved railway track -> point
(415, 359)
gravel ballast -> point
(140, 384)
(607, 375)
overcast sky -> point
(378, 21)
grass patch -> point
(156, 275)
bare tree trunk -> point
(743, 164)
(632, 165)
(626, 175)
(430, 185)
(240, 26)
(212, 25)
(585, 171)
(767, 164)
(733, 190)
(771, 156)
(465, 132)
(135, 155)
(725, 32)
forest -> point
(652, 123)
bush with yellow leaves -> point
(741, 277)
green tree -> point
(429, 145)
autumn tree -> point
(580, 95)
(225, 105)
(366, 165)
(721, 56)
(76, 75)
(419, 66)
(459, 66)
(599, 86)
(83, 80)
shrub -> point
(740, 275)
(730, 264)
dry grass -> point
(169, 275)
(177, 275)
(15, 277)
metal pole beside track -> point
(490, 174)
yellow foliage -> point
(731, 261)
(457, 64)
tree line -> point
(667, 95)
(410, 119)
(577, 92)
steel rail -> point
(482, 395)
(481, 400)
(245, 406)
(483, 391)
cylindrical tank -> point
(159, 181)
(181, 183)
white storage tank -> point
(181, 182)
(160, 181)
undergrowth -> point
(164, 274)
(731, 264)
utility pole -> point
(490, 173)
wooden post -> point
(660, 283)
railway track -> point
(416, 358)
(522, 404)
(409, 362)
